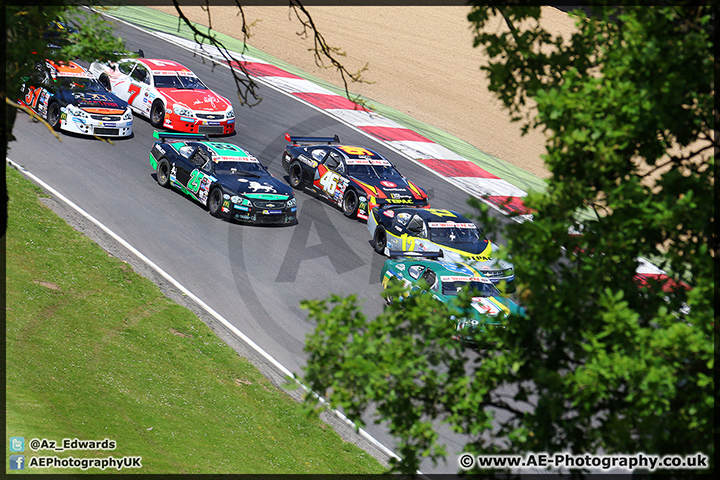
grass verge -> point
(96, 351)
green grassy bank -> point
(95, 351)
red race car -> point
(169, 94)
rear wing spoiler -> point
(298, 140)
(180, 136)
(405, 254)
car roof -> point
(164, 67)
(235, 153)
(436, 215)
(68, 69)
(353, 152)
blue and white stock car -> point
(70, 99)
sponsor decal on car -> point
(368, 161)
(388, 184)
(389, 213)
(450, 225)
(452, 278)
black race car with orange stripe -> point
(357, 179)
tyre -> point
(105, 82)
(215, 201)
(157, 114)
(380, 239)
(295, 175)
(350, 204)
(53, 115)
(163, 173)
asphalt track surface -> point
(255, 277)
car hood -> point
(98, 102)
(266, 187)
(388, 188)
(203, 100)
(469, 247)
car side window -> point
(416, 226)
(186, 151)
(334, 162)
(126, 67)
(415, 271)
(141, 74)
(200, 157)
(45, 79)
(431, 278)
(207, 168)
(318, 154)
(400, 220)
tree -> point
(600, 364)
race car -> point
(355, 178)
(169, 94)
(445, 281)
(403, 229)
(228, 180)
(70, 99)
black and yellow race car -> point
(355, 178)
(420, 231)
(225, 178)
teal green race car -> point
(446, 281)
(225, 178)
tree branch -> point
(33, 115)
(246, 87)
(323, 50)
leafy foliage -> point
(31, 36)
(599, 364)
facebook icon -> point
(17, 462)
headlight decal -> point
(182, 110)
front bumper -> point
(90, 126)
(195, 125)
(260, 216)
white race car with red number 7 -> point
(169, 94)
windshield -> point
(480, 289)
(378, 171)
(454, 234)
(81, 84)
(239, 168)
(180, 82)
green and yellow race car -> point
(446, 280)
